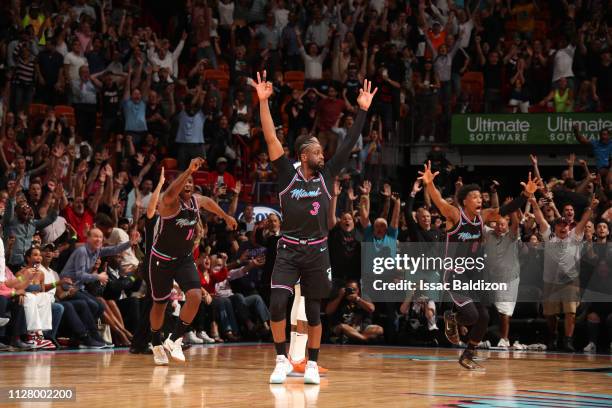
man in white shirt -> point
(73, 61)
(563, 62)
(163, 58)
(561, 271)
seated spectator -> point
(38, 303)
(77, 314)
(81, 266)
(12, 296)
(19, 222)
(351, 315)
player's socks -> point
(179, 330)
(156, 337)
(281, 349)
(313, 354)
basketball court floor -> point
(237, 376)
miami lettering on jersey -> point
(299, 193)
(466, 236)
(182, 222)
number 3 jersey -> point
(304, 203)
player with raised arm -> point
(302, 251)
(464, 225)
(171, 259)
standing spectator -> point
(73, 61)
(110, 95)
(329, 110)
(50, 73)
(563, 61)
(135, 106)
(602, 81)
(23, 80)
(190, 132)
(84, 99)
(159, 55)
(602, 149)
(562, 97)
(344, 245)
(502, 262)
(561, 268)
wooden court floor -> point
(237, 375)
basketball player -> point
(465, 224)
(140, 341)
(302, 250)
(171, 259)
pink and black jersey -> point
(466, 231)
(174, 235)
(305, 203)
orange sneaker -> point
(299, 367)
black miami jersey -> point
(304, 203)
(174, 235)
(464, 240)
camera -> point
(349, 291)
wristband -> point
(13, 293)
(20, 278)
(238, 261)
(132, 278)
(54, 284)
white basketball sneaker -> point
(590, 348)
(283, 367)
(205, 337)
(191, 338)
(504, 343)
(175, 348)
(311, 375)
(159, 355)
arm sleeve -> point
(341, 157)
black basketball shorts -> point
(306, 262)
(162, 272)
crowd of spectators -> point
(98, 96)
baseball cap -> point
(221, 160)
(48, 247)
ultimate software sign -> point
(527, 129)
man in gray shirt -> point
(561, 271)
(502, 265)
